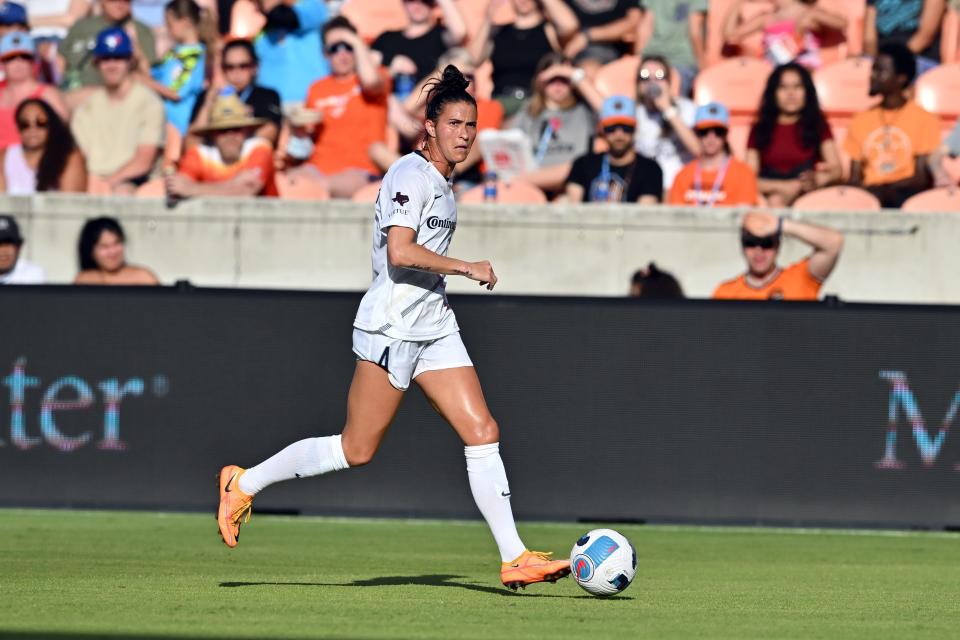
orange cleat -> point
(530, 567)
(235, 505)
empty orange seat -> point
(737, 83)
(153, 188)
(944, 199)
(367, 193)
(294, 188)
(840, 198)
(938, 90)
(844, 88)
(516, 191)
(373, 17)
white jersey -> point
(403, 303)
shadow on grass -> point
(432, 580)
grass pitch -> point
(137, 575)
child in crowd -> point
(179, 76)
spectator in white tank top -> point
(46, 159)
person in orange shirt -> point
(351, 105)
(889, 145)
(231, 161)
(760, 235)
(716, 178)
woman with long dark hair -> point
(405, 331)
(791, 147)
(46, 158)
(103, 259)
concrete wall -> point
(582, 250)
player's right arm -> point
(404, 252)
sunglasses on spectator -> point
(645, 74)
(720, 132)
(237, 66)
(18, 56)
(750, 241)
(337, 47)
(23, 125)
(613, 128)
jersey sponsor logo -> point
(433, 222)
(400, 199)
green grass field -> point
(136, 575)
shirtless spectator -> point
(103, 259)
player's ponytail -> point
(450, 88)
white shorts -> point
(404, 360)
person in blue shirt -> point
(290, 48)
(179, 75)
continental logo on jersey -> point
(400, 199)
(433, 222)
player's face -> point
(108, 253)
(8, 256)
(455, 130)
(791, 95)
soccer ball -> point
(603, 562)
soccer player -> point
(405, 330)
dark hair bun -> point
(452, 80)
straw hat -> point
(228, 112)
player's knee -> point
(357, 454)
(485, 432)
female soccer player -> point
(405, 330)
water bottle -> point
(490, 187)
(403, 84)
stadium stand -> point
(515, 191)
(938, 91)
(737, 83)
(839, 198)
(943, 199)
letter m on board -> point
(903, 402)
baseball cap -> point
(16, 43)
(12, 13)
(9, 231)
(711, 115)
(618, 110)
(113, 42)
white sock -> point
(488, 482)
(302, 459)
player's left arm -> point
(827, 244)
(404, 252)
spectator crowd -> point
(244, 97)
